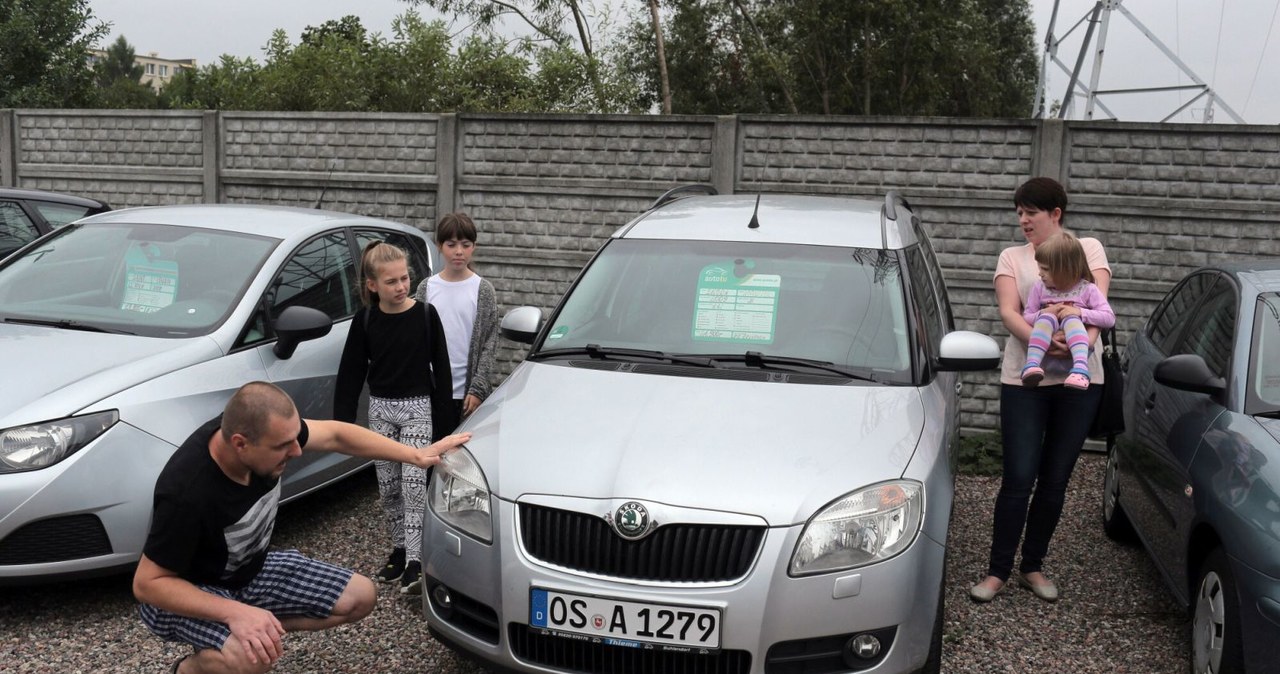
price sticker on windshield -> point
(735, 305)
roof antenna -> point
(755, 215)
(325, 187)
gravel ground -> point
(1114, 614)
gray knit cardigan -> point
(484, 338)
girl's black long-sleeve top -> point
(401, 355)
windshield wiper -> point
(597, 352)
(66, 324)
(765, 361)
(1269, 414)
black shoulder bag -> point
(1109, 420)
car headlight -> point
(40, 445)
(867, 526)
(460, 495)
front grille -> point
(679, 553)
(57, 539)
(571, 655)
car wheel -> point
(1114, 520)
(1215, 623)
(933, 665)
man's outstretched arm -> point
(338, 436)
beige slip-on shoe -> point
(983, 594)
(1046, 590)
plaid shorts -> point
(289, 585)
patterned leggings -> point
(403, 487)
(1077, 340)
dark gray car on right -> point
(1196, 475)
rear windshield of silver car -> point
(844, 306)
(151, 280)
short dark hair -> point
(251, 406)
(457, 225)
(1043, 194)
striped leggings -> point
(1077, 340)
(401, 486)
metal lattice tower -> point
(1100, 18)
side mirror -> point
(1189, 372)
(296, 325)
(964, 350)
(521, 324)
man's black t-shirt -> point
(206, 527)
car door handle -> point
(1150, 402)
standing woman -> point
(1042, 428)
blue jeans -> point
(1042, 430)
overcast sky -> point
(1232, 45)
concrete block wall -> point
(381, 165)
(548, 190)
(925, 159)
(127, 158)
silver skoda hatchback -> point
(729, 450)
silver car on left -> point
(121, 333)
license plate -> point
(616, 622)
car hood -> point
(49, 373)
(777, 450)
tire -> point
(1115, 523)
(1215, 619)
(933, 665)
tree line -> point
(972, 58)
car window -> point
(939, 283)
(16, 229)
(155, 280)
(1212, 334)
(58, 215)
(320, 274)
(923, 292)
(419, 266)
(1175, 310)
(1264, 366)
(837, 305)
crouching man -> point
(206, 577)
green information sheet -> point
(149, 284)
(734, 309)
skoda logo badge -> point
(631, 521)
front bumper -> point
(770, 622)
(85, 515)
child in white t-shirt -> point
(468, 309)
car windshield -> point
(843, 306)
(154, 280)
(1264, 368)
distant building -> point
(156, 71)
